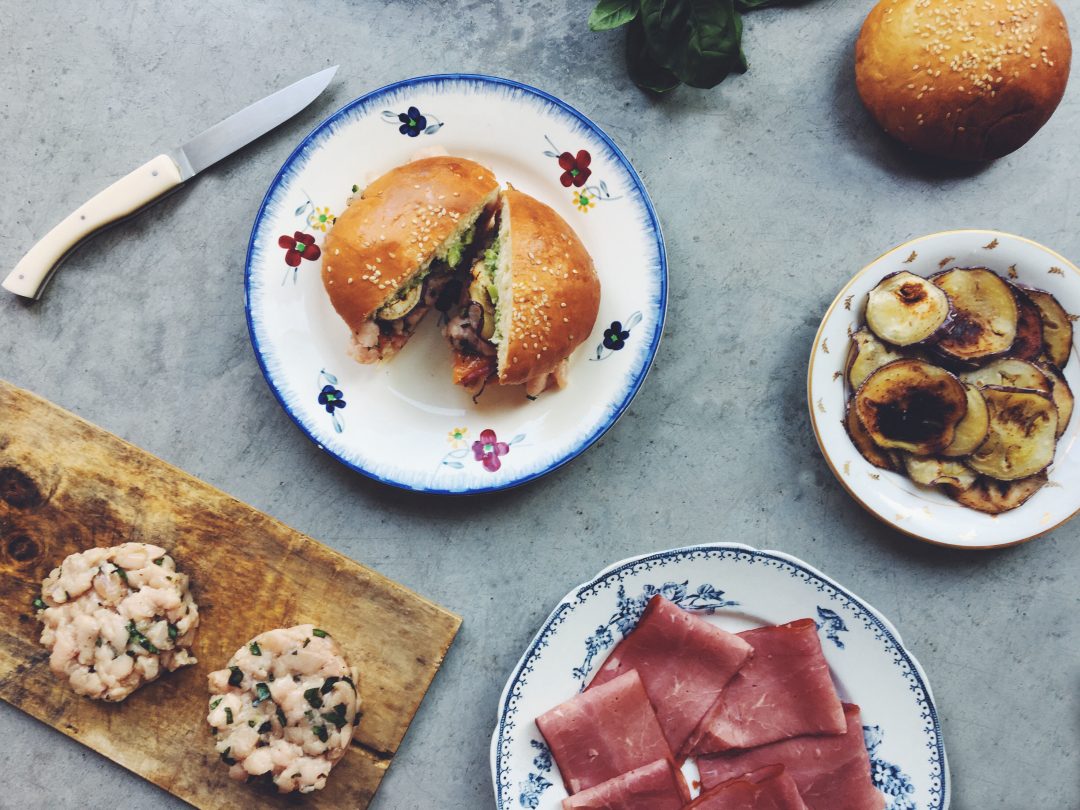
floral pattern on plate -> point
(410, 403)
(575, 171)
(412, 122)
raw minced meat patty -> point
(116, 618)
(285, 705)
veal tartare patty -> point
(116, 618)
(284, 708)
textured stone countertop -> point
(773, 189)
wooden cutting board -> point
(66, 485)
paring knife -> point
(162, 174)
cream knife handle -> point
(123, 198)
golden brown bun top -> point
(963, 79)
(556, 293)
(395, 227)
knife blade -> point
(151, 181)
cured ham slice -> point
(603, 733)
(832, 772)
(684, 662)
(768, 788)
(784, 691)
(656, 786)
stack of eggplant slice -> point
(957, 382)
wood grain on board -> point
(66, 485)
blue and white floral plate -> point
(737, 587)
(403, 422)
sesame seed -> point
(336, 251)
(350, 280)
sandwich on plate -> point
(517, 287)
(532, 298)
(396, 247)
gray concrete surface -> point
(773, 189)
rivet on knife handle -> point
(123, 198)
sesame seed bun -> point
(963, 79)
(398, 225)
(549, 293)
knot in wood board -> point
(18, 489)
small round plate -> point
(736, 587)
(918, 511)
(403, 422)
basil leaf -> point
(265, 727)
(312, 697)
(750, 5)
(328, 684)
(39, 604)
(236, 677)
(226, 758)
(610, 14)
(644, 71)
(319, 633)
(138, 638)
(262, 692)
(228, 715)
(215, 703)
(337, 717)
(254, 648)
(322, 733)
(281, 717)
(700, 41)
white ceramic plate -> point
(926, 513)
(403, 422)
(738, 587)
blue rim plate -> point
(737, 587)
(402, 422)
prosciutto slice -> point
(684, 662)
(768, 788)
(656, 786)
(832, 772)
(603, 733)
(784, 691)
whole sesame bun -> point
(963, 79)
(548, 277)
(398, 225)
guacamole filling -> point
(491, 265)
(410, 295)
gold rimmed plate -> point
(924, 513)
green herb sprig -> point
(673, 42)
